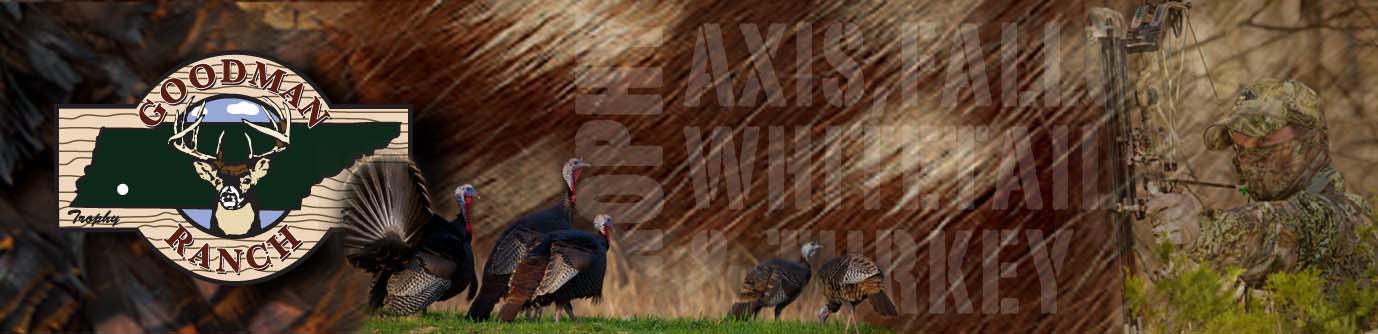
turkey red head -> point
(465, 196)
(571, 172)
(603, 223)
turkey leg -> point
(851, 318)
(569, 310)
(533, 314)
(848, 327)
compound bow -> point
(1142, 160)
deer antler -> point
(177, 142)
(282, 134)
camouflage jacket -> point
(1322, 227)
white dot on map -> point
(122, 189)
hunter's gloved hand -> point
(1176, 217)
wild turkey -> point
(567, 265)
(776, 282)
(519, 238)
(416, 257)
(849, 280)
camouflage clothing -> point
(1265, 106)
(1326, 229)
(1300, 215)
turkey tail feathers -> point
(386, 207)
(492, 289)
(509, 311)
(744, 310)
(882, 304)
(523, 286)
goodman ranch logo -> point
(232, 166)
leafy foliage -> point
(1372, 212)
(1202, 300)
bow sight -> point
(1146, 30)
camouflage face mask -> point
(1277, 171)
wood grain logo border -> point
(118, 170)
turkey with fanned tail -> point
(416, 257)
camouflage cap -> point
(1265, 106)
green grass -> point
(445, 322)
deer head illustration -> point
(233, 179)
